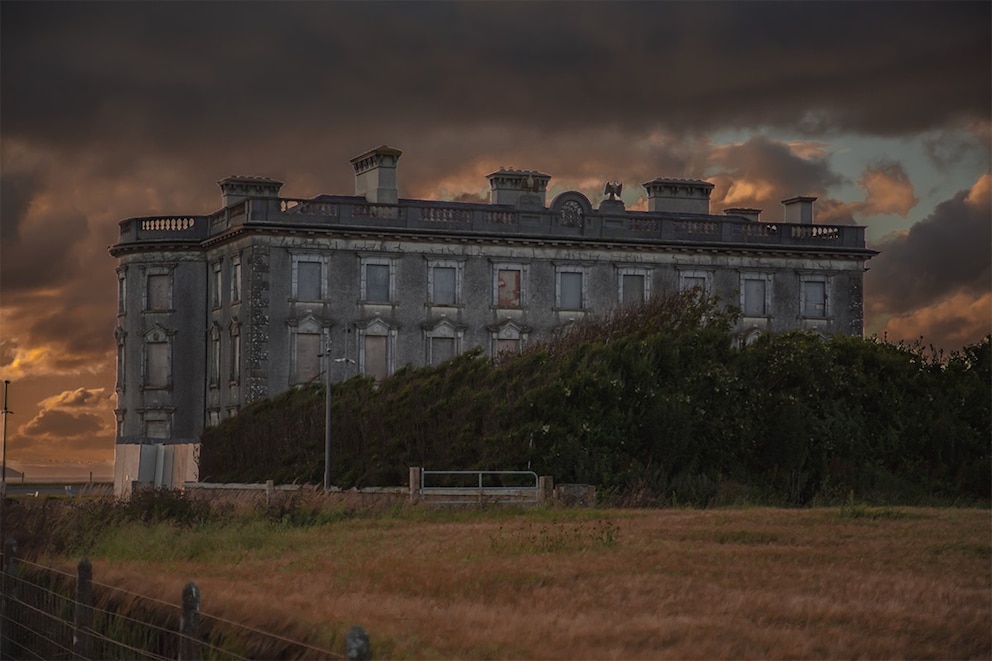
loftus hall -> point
(219, 310)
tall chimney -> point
(799, 210)
(375, 175)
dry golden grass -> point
(683, 584)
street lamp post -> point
(327, 419)
(3, 451)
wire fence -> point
(49, 614)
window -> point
(377, 283)
(308, 283)
(157, 429)
(215, 285)
(120, 334)
(634, 286)
(235, 279)
(570, 287)
(443, 342)
(375, 354)
(755, 291)
(307, 340)
(509, 285)
(158, 293)
(444, 282)
(158, 358)
(214, 355)
(235, 372)
(814, 298)
(508, 337)
(213, 417)
(122, 290)
(692, 279)
(309, 277)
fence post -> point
(189, 644)
(8, 594)
(415, 484)
(545, 489)
(358, 646)
(83, 614)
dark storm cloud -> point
(175, 76)
(944, 253)
(44, 257)
(17, 189)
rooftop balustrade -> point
(354, 213)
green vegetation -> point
(655, 406)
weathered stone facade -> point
(220, 310)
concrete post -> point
(269, 488)
(545, 489)
(415, 473)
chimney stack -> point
(746, 212)
(375, 175)
(518, 187)
(238, 189)
(799, 210)
(679, 195)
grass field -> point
(852, 582)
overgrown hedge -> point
(654, 405)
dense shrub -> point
(653, 404)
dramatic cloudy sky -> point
(882, 110)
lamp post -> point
(3, 451)
(327, 418)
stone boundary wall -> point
(251, 496)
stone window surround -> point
(380, 260)
(643, 271)
(443, 329)
(379, 328)
(309, 325)
(824, 278)
(694, 272)
(159, 269)
(459, 266)
(521, 266)
(306, 256)
(765, 276)
(572, 267)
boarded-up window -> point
(308, 281)
(754, 297)
(214, 360)
(235, 357)
(377, 283)
(509, 288)
(570, 290)
(159, 294)
(157, 429)
(443, 281)
(442, 349)
(507, 346)
(215, 285)
(376, 364)
(693, 281)
(307, 357)
(633, 289)
(815, 294)
(157, 368)
(121, 294)
(235, 281)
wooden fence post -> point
(8, 594)
(189, 644)
(545, 489)
(83, 614)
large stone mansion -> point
(219, 310)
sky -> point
(883, 111)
